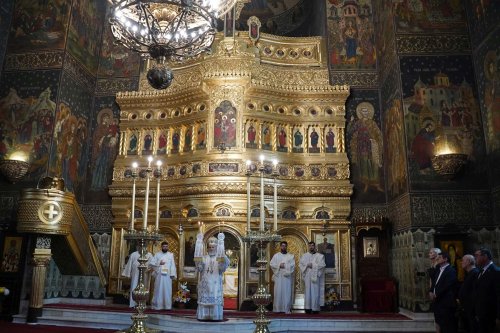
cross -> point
(51, 212)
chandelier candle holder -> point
(262, 238)
(166, 30)
(141, 237)
(14, 170)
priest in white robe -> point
(312, 267)
(163, 266)
(211, 268)
(131, 271)
(283, 266)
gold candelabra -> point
(262, 297)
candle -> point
(134, 176)
(249, 213)
(146, 202)
(157, 224)
(275, 201)
(262, 208)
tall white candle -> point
(146, 202)
(157, 223)
(275, 197)
(249, 213)
(262, 208)
(134, 177)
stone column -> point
(40, 262)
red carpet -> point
(239, 314)
(25, 328)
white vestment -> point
(314, 280)
(164, 274)
(283, 281)
(210, 292)
(131, 271)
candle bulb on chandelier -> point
(275, 197)
(146, 202)
(134, 176)
(262, 208)
(158, 177)
(249, 213)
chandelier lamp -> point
(165, 30)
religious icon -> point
(282, 140)
(330, 141)
(188, 137)
(176, 138)
(298, 140)
(132, 145)
(11, 255)
(147, 148)
(314, 140)
(370, 247)
(266, 137)
(162, 143)
(251, 136)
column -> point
(40, 262)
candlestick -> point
(275, 197)
(262, 208)
(134, 176)
(158, 178)
(249, 213)
(146, 202)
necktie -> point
(481, 273)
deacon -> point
(210, 267)
(312, 266)
(163, 266)
(131, 271)
(283, 266)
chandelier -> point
(166, 30)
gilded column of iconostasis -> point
(271, 98)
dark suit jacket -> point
(445, 289)
(487, 292)
(466, 293)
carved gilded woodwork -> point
(277, 84)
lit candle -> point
(262, 208)
(249, 213)
(275, 201)
(157, 224)
(134, 176)
(146, 202)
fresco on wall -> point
(104, 148)
(483, 17)
(385, 40)
(27, 108)
(6, 10)
(350, 34)
(488, 77)
(278, 17)
(70, 145)
(85, 31)
(38, 25)
(395, 156)
(365, 146)
(420, 16)
(225, 125)
(441, 113)
(115, 60)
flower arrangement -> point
(183, 294)
(332, 297)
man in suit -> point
(466, 293)
(487, 293)
(442, 295)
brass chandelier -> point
(166, 30)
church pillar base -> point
(40, 262)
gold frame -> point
(331, 273)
